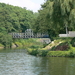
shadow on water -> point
(18, 62)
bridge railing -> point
(25, 35)
(28, 34)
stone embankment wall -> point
(45, 40)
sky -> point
(33, 5)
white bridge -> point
(29, 34)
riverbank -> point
(26, 43)
(58, 48)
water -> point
(18, 62)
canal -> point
(18, 62)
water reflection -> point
(18, 62)
(59, 66)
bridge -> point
(29, 34)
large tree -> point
(55, 16)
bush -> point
(32, 51)
(72, 52)
(37, 52)
(34, 46)
(42, 52)
(1, 45)
(73, 42)
(6, 40)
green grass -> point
(58, 42)
(38, 52)
(1, 45)
(58, 53)
(28, 43)
(35, 47)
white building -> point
(70, 34)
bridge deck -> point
(24, 35)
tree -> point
(6, 39)
(55, 15)
(14, 19)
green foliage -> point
(15, 19)
(6, 40)
(63, 46)
(34, 46)
(58, 53)
(37, 52)
(54, 16)
(44, 45)
(1, 45)
(67, 52)
(43, 53)
(34, 52)
(70, 52)
(53, 48)
(73, 42)
(19, 44)
(28, 43)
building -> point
(70, 34)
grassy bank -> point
(60, 47)
(28, 43)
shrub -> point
(1, 45)
(72, 52)
(6, 40)
(42, 52)
(32, 51)
(73, 42)
(34, 46)
(37, 52)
